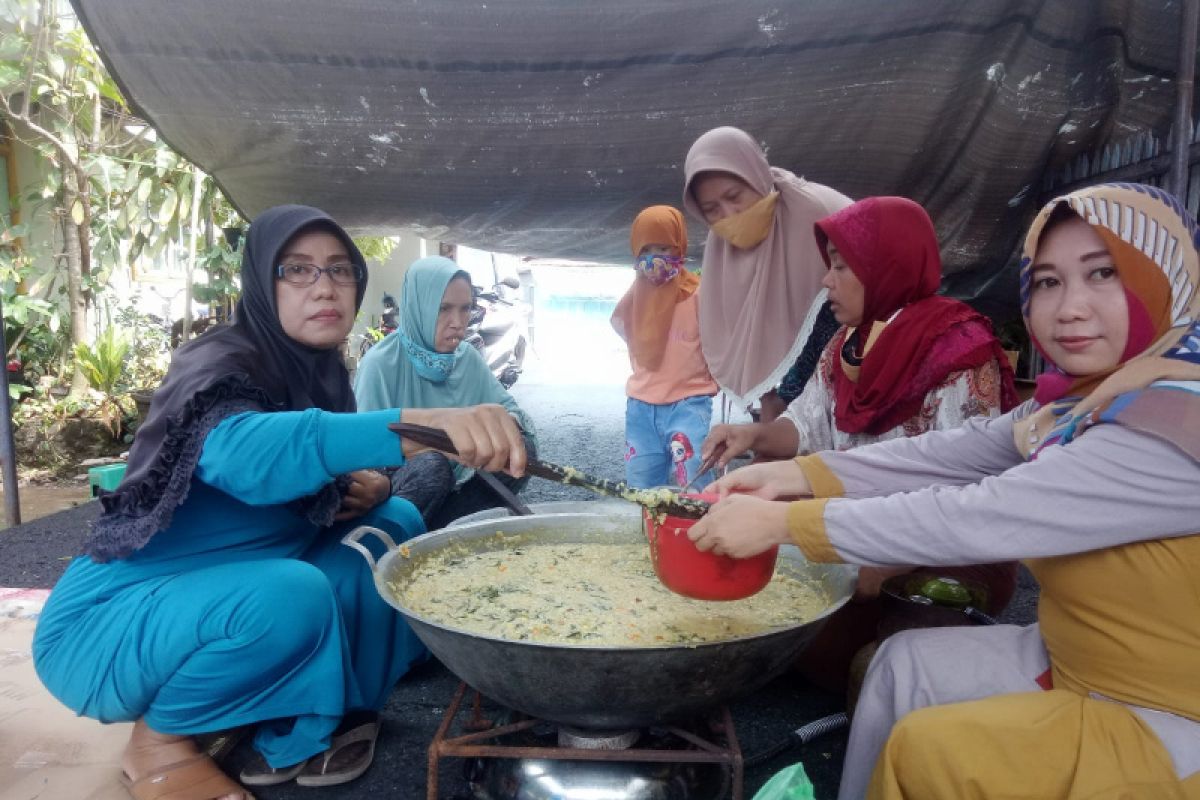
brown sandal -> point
(349, 755)
(195, 778)
(259, 773)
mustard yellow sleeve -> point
(820, 477)
(806, 526)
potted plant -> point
(103, 364)
(141, 401)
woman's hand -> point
(773, 481)
(741, 526)
(771, 442)
(367, 489)
(736, 439)
(771, 405)
(485, 436)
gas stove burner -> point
(546, 779)
(513, 757)
(609, 776)
(585, 739)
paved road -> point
(578, 424)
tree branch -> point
(126, 149)
(33, 61)
(42, 133)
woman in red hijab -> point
(905, 361)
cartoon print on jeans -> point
(681, 451)
(630, 452)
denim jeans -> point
(662, 442)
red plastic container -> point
(704, 576)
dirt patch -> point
(60, 446)
(53, 453)
(43, 499)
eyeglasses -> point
(308, 274)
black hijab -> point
(248, 364)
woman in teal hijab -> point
(427, 364)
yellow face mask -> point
(748, 228)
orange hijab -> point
(1155, 389)
(643, 316)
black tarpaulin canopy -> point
(541, 127)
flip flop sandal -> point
(259, 773)
(349, 755)
(195, 778)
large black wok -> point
(589, 686)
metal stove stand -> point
(481, 743)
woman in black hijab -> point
(214, 593)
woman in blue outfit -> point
(213, 592)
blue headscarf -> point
(420, 301)
(404, 371)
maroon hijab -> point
(890, 246)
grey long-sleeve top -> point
(966, 496)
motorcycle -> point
(499, 331)
(388, 322)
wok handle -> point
(510, 500)
(351, 539)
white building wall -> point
(43, 238)
(388, 277)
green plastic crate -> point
(106, 477)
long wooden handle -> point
(687, 508)
(423, 434)
(437, 439)
(573, 477)
(679, 507)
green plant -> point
(42, 353)
(60, 101)
(114, 191)
(222, 264)
(41, 413)
(33, 325)
(18, 390)
(48, 428)
(150, 349)
(376, 248)
(103, 364)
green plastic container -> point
(106, 477)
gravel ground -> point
(580, 425)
